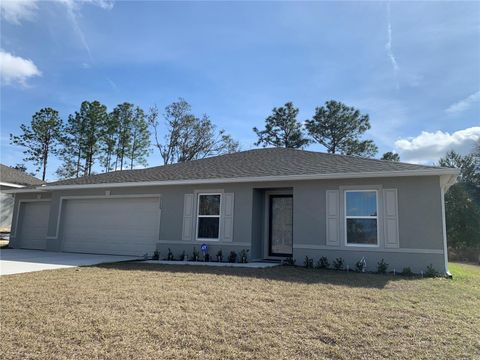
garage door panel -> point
(34, 224)
(123, 226)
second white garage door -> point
(119, 226)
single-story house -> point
(11, 178)
(274, 202)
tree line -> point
(95, 138)
(462, 204)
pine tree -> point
(41, 138)
(282, 129)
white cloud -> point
(388, 45)
(428, 147)
(14, 69)
(72, 8)
(14, 11)
(464, 104)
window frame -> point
(198, 216)
(346, 217)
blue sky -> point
(413, 67)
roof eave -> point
(402, 173)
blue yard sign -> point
(204, 248)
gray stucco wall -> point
(6, 211)
(419, 216)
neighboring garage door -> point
(119, 226)
(33, 224)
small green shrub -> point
(195, 254)
(382, 267)
(156, 255)
(170, 255)
(206, 257)
(308, 262)
(361, 265)
(219, 256)
(289, 261)
(323, 263)
(407, 272)
(244, 256)
(431, 272)
(338, 263)
(232, 257)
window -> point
(208, 216)
(361, 217)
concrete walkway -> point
(252, 265)
(16, 261)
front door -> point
(281, 225)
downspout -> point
(445, 183)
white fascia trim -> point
(21, 190)
(433, 172)
(11, 185)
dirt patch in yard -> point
(143, 311)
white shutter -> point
(228, 210)
(188, 209)
(390, 216)
(333, 218)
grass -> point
(142, 311)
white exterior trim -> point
(444, 230)
(373, 249)
(345, 216)
(198, 216)
(11, 184)
(59, 216)
(355, 175)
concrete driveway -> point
(16, 261)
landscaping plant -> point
(338, 263)
(431, 272)
(361, 265)
(169, 255)
(308, 262)
(323, 263)
(195, 254)
(219, 256)
(407, 272)
(232, 257)
(244, 256)
(382, 267)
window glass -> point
(361, 203)
(209, 205)
(361, 217)
(208, 227)
(362, 231)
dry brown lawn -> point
(143, 311)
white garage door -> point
(33, 224)
(120, 226)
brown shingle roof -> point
(14, 176)
(251, 163)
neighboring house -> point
(11, 178)
(276, 203)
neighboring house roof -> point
(258, 165)
(11, 177)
